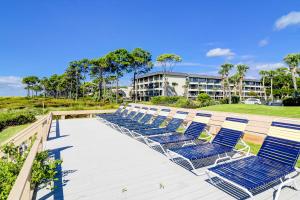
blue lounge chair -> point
(192, 133)
(139, 118)
(143, 122)
(123, 113)
(222, 146)
(128, 117)
(158, 120)
(139, 114)
(172, 126)
(128, 114)
(116, 113)
(274, 162)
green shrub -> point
(185, 103)
(12, 118)
(208, 103)
(203, 97)
(235, 99)
(164, 100)
(38, 102)
(43, 170)
(291, 101)
(224, 101)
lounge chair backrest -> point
(231, 132)
(235, 123)
(202, 118)
(160, 118)
(126, 111)
(140, 114)
(164, 112)
(148, 116)
(285, 131)
(120, 109)
(195, 129)
(282, 143)
(152, 111)
(198, 124)
(177, 120)
(144, 110)
(132, 113)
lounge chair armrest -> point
(208, 137)
(246, 149)
(222, 159)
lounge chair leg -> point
(283, 183)
(295, 185)
(209, 177)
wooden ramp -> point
(101, 163)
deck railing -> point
(40, 130)
(21, 188)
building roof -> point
(161, 72)
(187, 75)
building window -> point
(192, 79)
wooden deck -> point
(101, 163)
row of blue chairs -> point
(196, 149)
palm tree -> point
(241, 71)
(225, 69)
(293, 60)
(271, 75)
(234, 80)
(263, 74)
(222, 73)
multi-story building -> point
(184, 84)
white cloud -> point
(268, 66)
(218, 52)
(255, 67)
(263, 42)
(293, 18)
(12, 81)
(11, 86)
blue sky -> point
(42, 37)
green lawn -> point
(293, 112)
(11, 131)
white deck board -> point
(99, 162)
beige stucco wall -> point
(179, 88)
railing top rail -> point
(21, 186)
(22, 179)
(78, 112)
